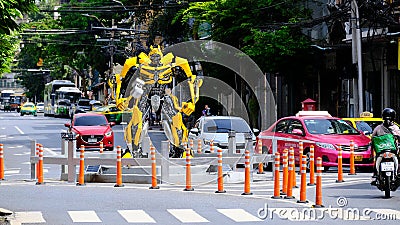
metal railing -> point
(69, 158)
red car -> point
(91, 129)
(325, 133)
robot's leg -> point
(134, 130)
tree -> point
(260, 28)
(10, 11)
(66, 54)
(8, 46)
(75, 54)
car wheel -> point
(110, 149)
(22, 114)
(308, 154)
(268, 166)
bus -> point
(66, 99)
(5, 98)
(50, 98)
(17, 100)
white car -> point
(217, 128)
(39, 107)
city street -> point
(59, 202)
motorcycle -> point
(387, 179)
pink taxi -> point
(324, 132)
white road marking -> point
(11, 172)
(24, 153)
(84, 217)
(18, 146)
(29, 217)
(51, 152)
(187, 216)
(136, 216)
(19, 130)
(239, 215)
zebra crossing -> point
(135, 216)
(232, 215)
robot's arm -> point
(194, 85)
(121, 82)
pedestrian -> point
(206, 111)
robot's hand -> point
(137, 88)
(187, 108)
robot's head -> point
(155, 55)
(155, 50)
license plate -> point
(358, 158)
(91, 140)
(387, 166)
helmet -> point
(388, 114)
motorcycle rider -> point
(387, 127)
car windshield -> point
(84, 102)
(226, 125)
(101, 109)
(329, 126)
(372, 124)
(90, 121)
(364, 126)
(63, 103)
(40, 104)
(29, 105)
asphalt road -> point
(58, 202)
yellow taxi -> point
(365, 123)
(29, 108)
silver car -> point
(216, 129)
(40, 107)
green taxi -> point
(112, 113)
(28, 108)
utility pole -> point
(357, 54)
(111, 53)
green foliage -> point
(66, 54)
(8, 47)
(12, 10)
(260, 28)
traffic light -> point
(40, 62)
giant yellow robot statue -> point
(144, 86)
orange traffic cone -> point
(312, 165)
(285, 171)
(303, 185)
(276, 177)
(289, 193)
(318, 189)
(340, 166)
(247, 174)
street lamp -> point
(93, 16)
